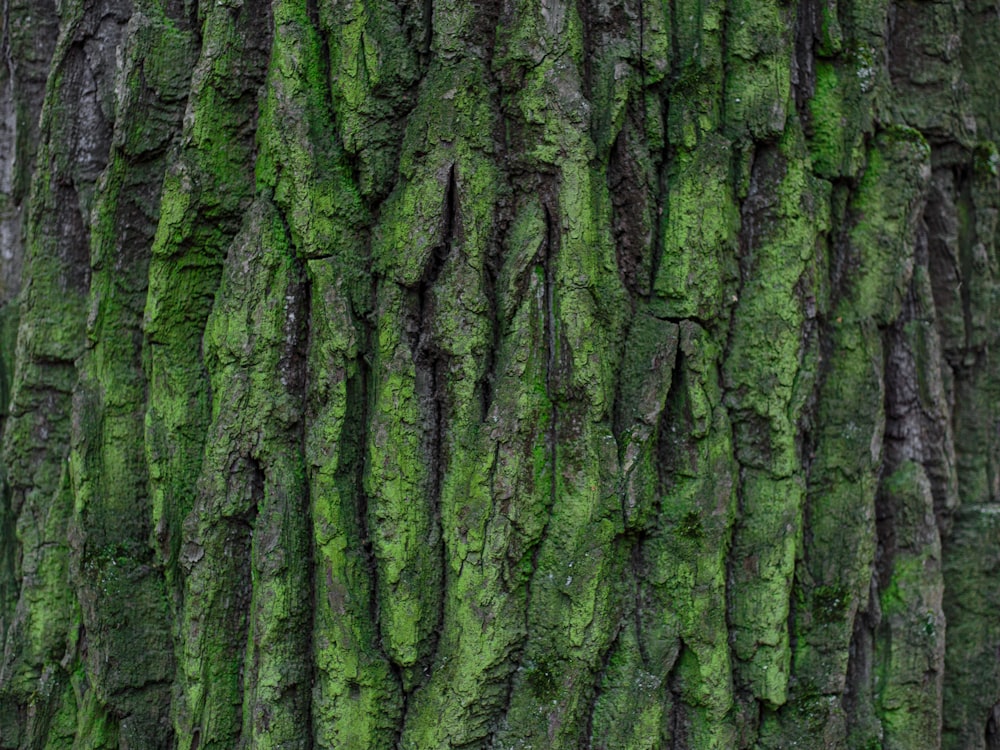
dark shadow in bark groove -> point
(858, 686)
(549, 251)
(992, 730)
(675, 424)
(430, 368)
(628, 199)
(803, 68)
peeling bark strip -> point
(545, 373)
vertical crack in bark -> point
(675, 718)
(438, 372)
(664, 157)
(966, 208)
(425, 43)
(666, 446)
(491, 272)
(306, 305)
(583, 11)
(803, 68)
(549, 332)
(5, 44)
(429, 373)
(660, 219)
(312, 10)
(599, 676)
(724, 59)
(238, 546)
(642, 60)
(358, 424)
(551, 363)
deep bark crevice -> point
(803, 61)
(430, 368)
(549, 251)
(500, 362)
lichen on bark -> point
(440, 374)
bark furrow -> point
(540, 373)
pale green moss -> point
(685, 554)
(909, 650)
(762, 372)
(306, 171)
(698, 267)
(759, 46)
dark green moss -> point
(542, 680)
(829, 603)
(690, 526)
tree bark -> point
(397, 374)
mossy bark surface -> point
(528, 374)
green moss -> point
(759, 45)
(296, 158)
(882, 238)
(541, 680)
(373, 68)
(986, 159)
(9, 315)
(828, 145)
(685, 582)
(829, 603)
(632, 702)
(697, 269)
(206, 191)
(763, 377)
(357, 699)
(248, 536)
(690, 526)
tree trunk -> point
(402, 374)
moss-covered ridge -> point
(436, 375)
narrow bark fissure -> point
(238, 546)
(626, 203)
(293, 363)
(966, 209)
(668, 442)
(660, 218)
(599, 675)
(675, 42)
(803, 68)
(991, 732)
(485, 388)
(428, 26)
(841, 264)
(642, 60)
(550, 341)
(731, 561)
(353, 466)
(583, 11)
(8, 59)
(548, 324)
(724, 77)
(676, 717)
(430, 368)
(305, 506)
(312, 10)
(858, 679)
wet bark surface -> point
(389, 374)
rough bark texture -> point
(525, 374)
